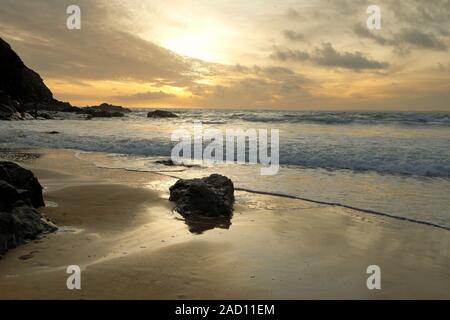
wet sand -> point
(119, 227)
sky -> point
(253, 54)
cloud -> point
(293, 55)
(363, 32)
(293, 14)
(421, 39)
(328, 56)
(256, 86)
(117, 51)
(101, 50)
(145, 96)
(293, 36)
(404, 38)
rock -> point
(18, 81)
(6, 113)
(104, 110)
(43, 115)
(27, 116)
(53, 132)
(20, 224)
(212, 196)
(169, 162)
(109, 108)
(24, 87)
(8, 109)
(166, 162)
(10, 195)
(102, 113)
(161, 114)
(22, 179)
(20, 194)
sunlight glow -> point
(202, 43)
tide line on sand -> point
(337, 204)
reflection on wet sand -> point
(121, 230)
(198, 224)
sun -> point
(203, 43)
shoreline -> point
(119, 227)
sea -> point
(394, 163)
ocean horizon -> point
(351, 158)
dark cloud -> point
(404, 38)
(421, 39)
(286, 55)
(429, 15)
(293, 36)
(328, 56)
(145, 96)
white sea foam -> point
(391, 162)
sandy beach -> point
(119, 227)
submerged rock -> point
(20, 194)
(166, 162)
(161, 114)
(170, 163)
(212, 196)
(94, 113)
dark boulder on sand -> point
(22, 179)
(161, 114)
(212, 196)
(20, 224)
(20, 194)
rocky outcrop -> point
(212, 196)
(24, 95)
(101, 113)
(34, 108)
(161, 114)
(20, 194)
(22, 90)
(104, 110)
(18, 81)
(108, 108)
(8, 108)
